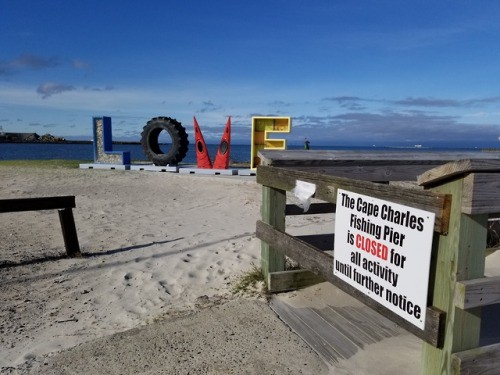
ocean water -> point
(85, 152)
(41, 151)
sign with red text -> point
(383, 249)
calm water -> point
(37, 151)
(239, 153)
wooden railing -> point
(462, 190)
(64, 205)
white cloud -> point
(48, 89)
(132, 107)
(27, 62)
(80, 64)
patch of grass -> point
(250, 282)
(49, 164)
(291, 265)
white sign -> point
(383, 249)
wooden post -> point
(273, 213)
(460, 256)
(69, 232)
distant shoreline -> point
(70, 142)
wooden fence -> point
(461, 189)
(64, 205)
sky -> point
(347, 72)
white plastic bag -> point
(304, 191)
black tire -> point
(151, 147)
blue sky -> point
(347, 72)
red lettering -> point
(373, 247)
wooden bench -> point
(64, 204)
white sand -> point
(152, 293)
(155, 244)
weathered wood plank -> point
(326, 351)
(36, 204)
(477, 292)
(321, 264)
(460, 168)
(481, 193)
(69, 232)
(375, 325)
(320, 241)
(479, 361)
(376, 173)
(296, 158)
(308, 256)
(326, 190)
(342, 319)
(273, 213)
(336, 331)
(285, 281)
(313, 321)
(64, 204)
(460, 256)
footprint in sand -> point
(128, 277)
(165, 287)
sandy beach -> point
(153, 292)
(158, 248)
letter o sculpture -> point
(151, 147)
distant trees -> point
(29, 137)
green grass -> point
(49, 164)
(247, 283)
